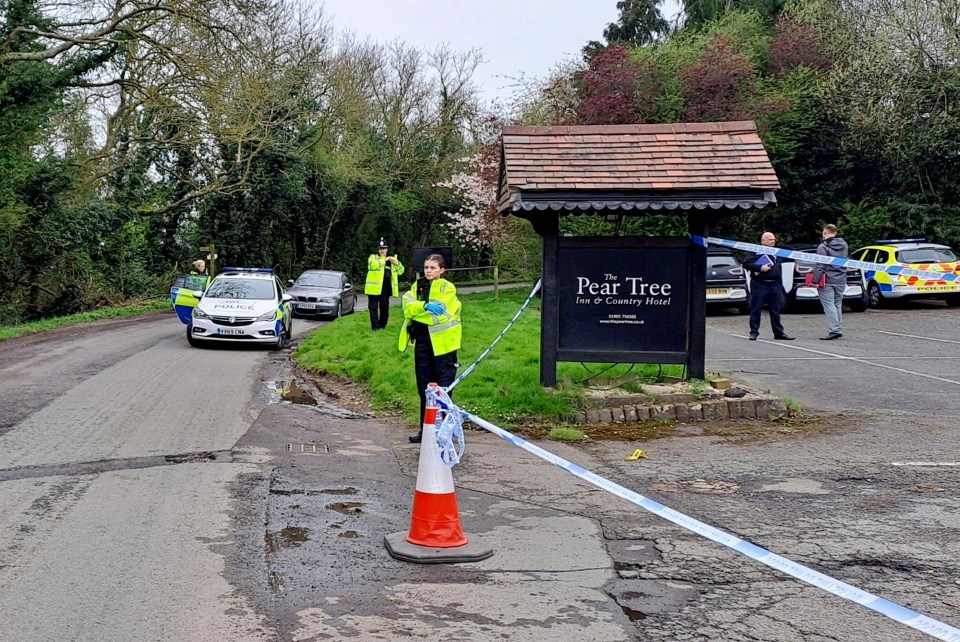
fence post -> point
(496, 282)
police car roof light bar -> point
(239, 269)
(919, 239)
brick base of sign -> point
(683, 407)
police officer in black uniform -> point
(766, 287)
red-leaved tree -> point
(720, 86)
(617, 89)
(796, 44)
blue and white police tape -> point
(885, 607)
(449, 428)
(896, 270)
(463, 375)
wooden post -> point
(496, 282)
(696, 366)
(549, 230)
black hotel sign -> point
(623, 299)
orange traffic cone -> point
(436, 535)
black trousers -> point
(769, 293)
(430, 368)
(379, 306)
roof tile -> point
(680, 156)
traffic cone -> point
(435, 535)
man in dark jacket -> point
(766, 287)
(831, 294)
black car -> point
(726, 281)
(797, 293)
(322, 293)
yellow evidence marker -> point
(637, 454)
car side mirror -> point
(197, 294)
(289, 281)
(348, 286)
(286, 297)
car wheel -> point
(353, 307)
(743, 309)
(281, 341)
(193, 342)
(874, 298)
(953, 301)
(859, 304)
(339, 312)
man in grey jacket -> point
(831, 295)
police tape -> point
(451, 443)
(463, 375)
(883, 606)
(895, 270)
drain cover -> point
(316, 448)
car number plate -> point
(306, 306)
(229, 331)
(717, 290)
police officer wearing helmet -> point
(431, 311)
(382, 274)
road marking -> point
(926, 463)
(915, 336)
(855, 360)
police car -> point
(915, 253)
(245, 305)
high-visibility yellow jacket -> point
(444, 329)
(375, 269)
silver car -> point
(322, 293)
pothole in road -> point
(880, 565)
(349, 490)
(290, 391)
(287, 492)
(713, 486)
(350, 534)
(347, 508)
(286, 538)
(190, 458)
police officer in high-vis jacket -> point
(431, 312)
(382, 274)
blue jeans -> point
(831, 298)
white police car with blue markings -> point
(242, 305)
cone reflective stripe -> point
(435, 535)
(436, 517)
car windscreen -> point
(261, 289)
(926, 255)
(721, 262)
(318, 281)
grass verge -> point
(505, 389)
(9, 332)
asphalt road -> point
(150, 491)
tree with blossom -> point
(476, 224)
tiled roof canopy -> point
(626, 167)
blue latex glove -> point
(435, 308)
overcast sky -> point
(517, 37)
